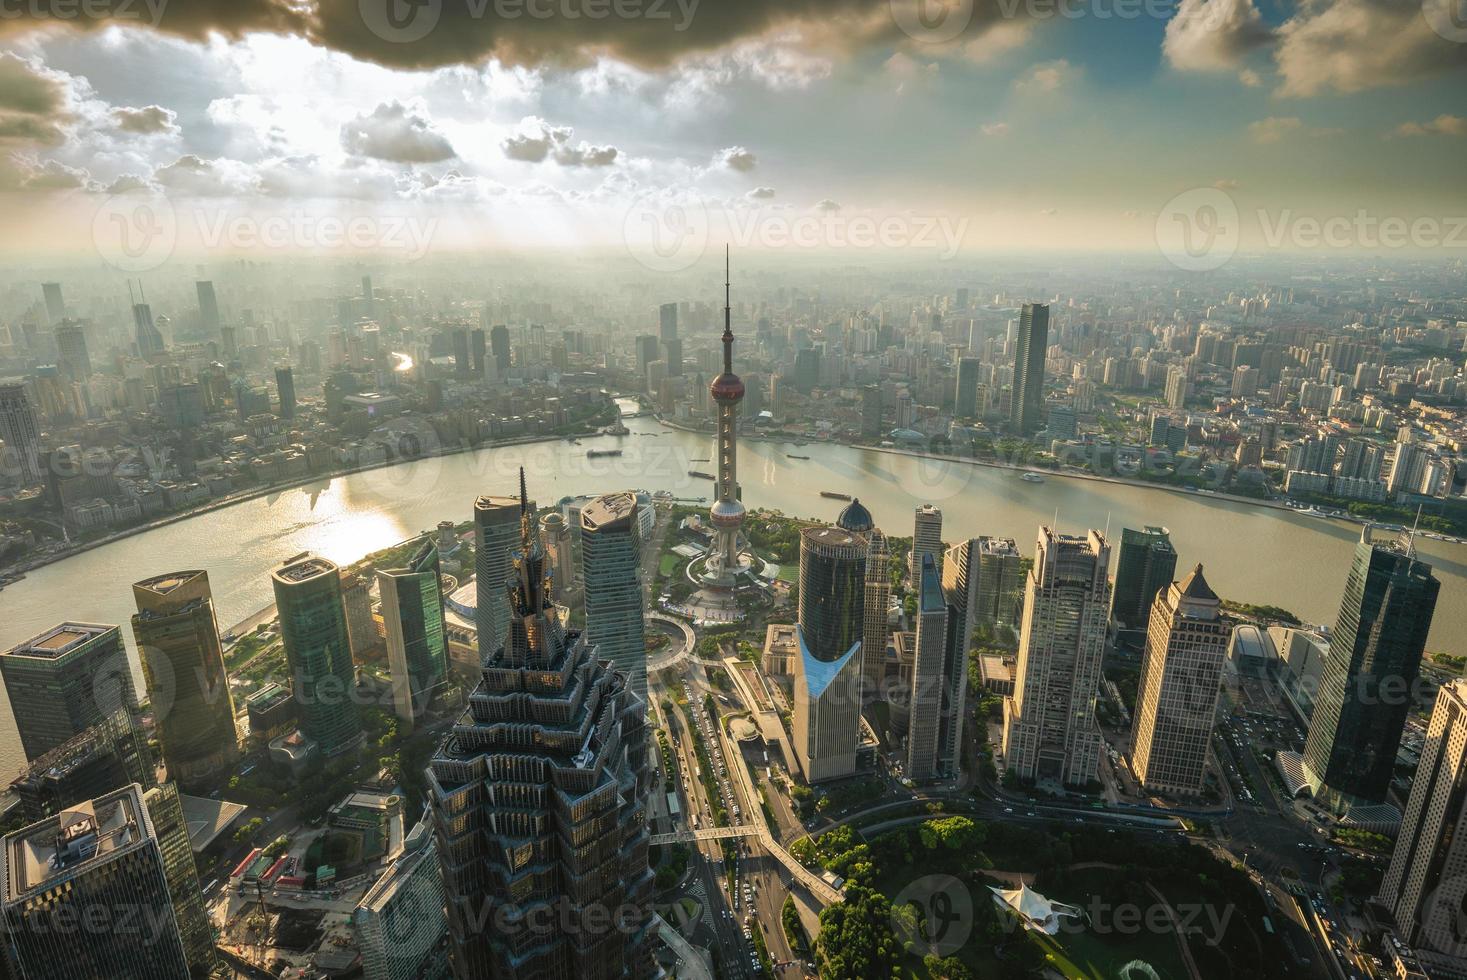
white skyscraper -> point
(1049, 728)
(926, 540)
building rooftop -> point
(79, 837)
(303, 567)
(58, 641)
(831, 537)
(1195, 586)
(164, 584)
(207, 819)
(608, 509)
(855, 517)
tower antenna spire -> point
(727, 316)
(524, 514)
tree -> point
(856, 939)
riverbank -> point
(255, 493)
(1193, 492)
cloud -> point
(736, 158)
(1351, 45)
(36, 103)
(397, 134)
(1213, 35)
(538, 140)
(995, 129)
(1250, 78)
(1004, 36)
(148, 120)
(827, 205)
(1049, 211)
(1226, 184)
(760, 194)
(1047, 76)
(1443, 125)
(193, 175)
(1274, 128)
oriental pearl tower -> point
(727, 512)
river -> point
(1252, 553)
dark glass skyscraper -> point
(65, 681)
(539, 800)
(1374, 658)
(1026, 405)
(317, 650)
(829, 665)
(102, 855)
(417, 646)
(1147, 564)
(285, 388)
(496, 532)
(499, 347)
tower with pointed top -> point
(727, 512)
(1181, 678)
(539, 801)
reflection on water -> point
(1252, 554)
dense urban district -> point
(653, 733)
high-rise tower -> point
(1026, 404)
(539, 799)
(727, 513)
(1374, 653)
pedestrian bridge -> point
(707, 833)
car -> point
(1008, 809)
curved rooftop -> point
(855, 518)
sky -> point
(662, 126)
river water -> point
(1251, 553)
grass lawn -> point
(668, 565)
(1100, 949)
(789, 574)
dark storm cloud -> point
(433, 33)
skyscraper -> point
(170, 827)
(399, 923)
(1146, 565)
(1181, 677)
(499, 348)
(55, 307)
(285, 390)
(1049, 728)
(965, 399)
(927, 676)
(64, 681)
(998, 592)
(417, 645)
(539, 800)
(20, 434)
(959, 578)
(1424, 887)
(926, 540)
(71, 351)
(727, 512)
(149, 339)
(1374, 658)
(667, 322)
(871, 412)
(208, 308)
(611, 559)
(1026, 404)
(555, 535)
(496, 529)
(828, 668)
(478, 350)
(317, 651)
(857, 519)
(183, 665)
(112, 753)
(99, 855)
